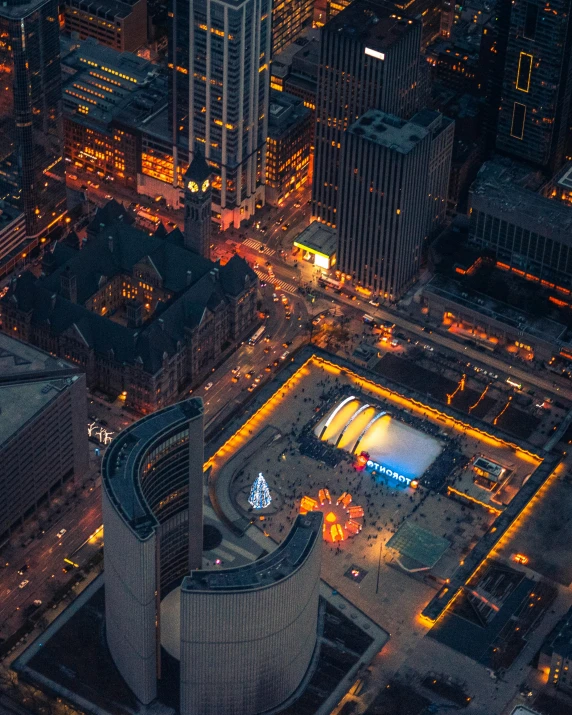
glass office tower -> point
(32, 173)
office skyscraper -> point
(219, 59)
(389, 170)
(31, 146)
(427, 11)
(535, 108)
(369, 60)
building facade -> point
(107, 98)
(290, 135)
(140, 315)
(43, 436)
(369, 60)
(113, 23)
(219, 57)
(556, 654)
(393, 190)
(31, 147)
(256, 625)
(528, 233)
(295, 70)
(534, 118)
(153, 519)
(289, 19)
(14, 246)
(247, 634)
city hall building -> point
(244, 637)
(141, 315)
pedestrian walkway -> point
(253, 243)
(286, 287)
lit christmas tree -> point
(259, 494)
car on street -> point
(249, 374)
(284, 355)
(22, 570)
(286, 226)
(24, 584)
(251, 387)
(235, 378)
(297, 205)
(268, 368)
(208, 386)
(275, 298)
(61, 532)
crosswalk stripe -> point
(286, 287)
(253, 243)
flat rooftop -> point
(373, 24)
(120, 469)
(504, 188)
(102, 84)
(278, 565)
(29, 380)
(318, 238)
(21, 402)
(389, 131)
(308, 43)
(285, 111)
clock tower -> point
(198, 199)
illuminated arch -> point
(368, 425)
(351, 419)
(334, 412)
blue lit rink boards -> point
(356, 427)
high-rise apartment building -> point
(535, 108)
(389, 169)
(31, 146)
(219, 56)
(369, 60)
(289, 18)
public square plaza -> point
(327, 434)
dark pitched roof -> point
(236, 275)
(109, 214)
(116, 251)
(206, 291)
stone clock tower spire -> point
(198, 200)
